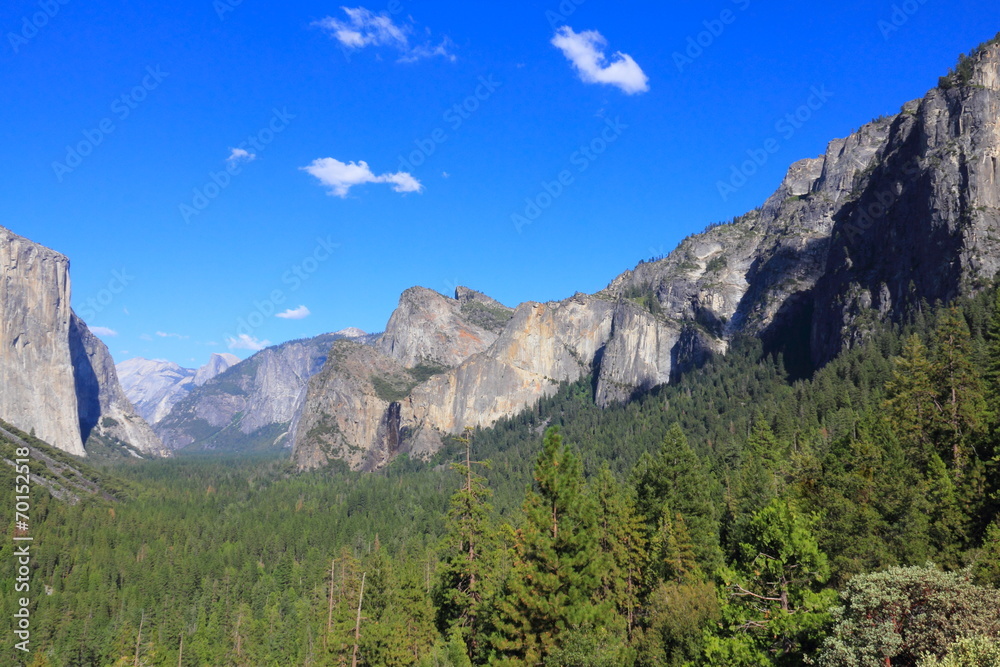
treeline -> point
(734, 518)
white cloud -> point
(299, 313)
(247, 342)
(163, 334)
(364, 27)
(146, 337)
(103, 331)
(240, 155)
(340, 177)
(586, 51)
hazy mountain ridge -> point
(155, 386)
(258, 396)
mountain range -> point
(905, 210)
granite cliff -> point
(904, 209)
(56, 378)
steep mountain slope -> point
(155, 386)
(904, 209)
(56, 378)
(252, 403)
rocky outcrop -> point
(925, 223)
(366, 407)
(154, 386)
(105, 412)
(56, 378)
(37, 391)
(906, 208)
(428, 328)
(252, 403)
(352, 413)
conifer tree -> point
(623, 542)
(555, 584)
(675, 477)
(961, 395)
(465, 583)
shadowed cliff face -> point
(105, 411)
(926, 225)
(56, 378)
(904, 209)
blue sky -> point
(200, 161)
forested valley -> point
(735, 517)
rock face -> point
(250, 404)
(155, 386)
(36, 371)
(367, 406)
(430, 329)
(906, 208)
(56, 377)
(926, 221)
(105, 411)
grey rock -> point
(429, 328)
(105, 412)
(37, 391)
(156, 386)
(263, 392)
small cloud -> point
(445, 174)
(212, 343)
(363, 28)
(586, 51)
(145, 337)
(103, 331)
(239, 155)
(247, 342)
(299, 313)
(163, 334)
(125, 310)
(340, 177)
